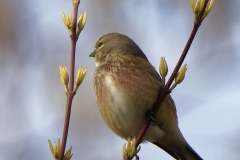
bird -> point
(126, 87)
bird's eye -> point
(100, 44)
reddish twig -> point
(165, 89)
(70, 94)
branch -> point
(165, 89)
(70, 94)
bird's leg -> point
(151, 118)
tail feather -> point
(189, 155)
(167, 150)
(192, 152)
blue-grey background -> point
(34, 41)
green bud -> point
(55, 149)
(163, 68)
(130, 151)
(51, 147)
(208, 9)
(81, 22)
(69, 20)
(68, 154)
(181, 74)
(192, 4)
(198, 9)
(64, 75)
(76, 1)
(80, 76)
(64, 19)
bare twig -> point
(70, 94)
(165, 89)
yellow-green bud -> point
(55, 149)
(181, 74)
(68, 154)
(76, 1)
(192, 4)
(208, 9)
(81, 22)
(163, 68)
(64, 19)
(58, 148)
(69, 20)
(64, 75)
(51, 147)
(198, 8)
(130, 151)
(80, 75)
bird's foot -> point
(154, 122)
(151, 118)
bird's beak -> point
(92, 54)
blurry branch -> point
(201, 8)
(74, 27)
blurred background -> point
(34, 41)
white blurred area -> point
(34, 41)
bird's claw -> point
(151, 118)
(154, 122)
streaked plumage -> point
(126, 87)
